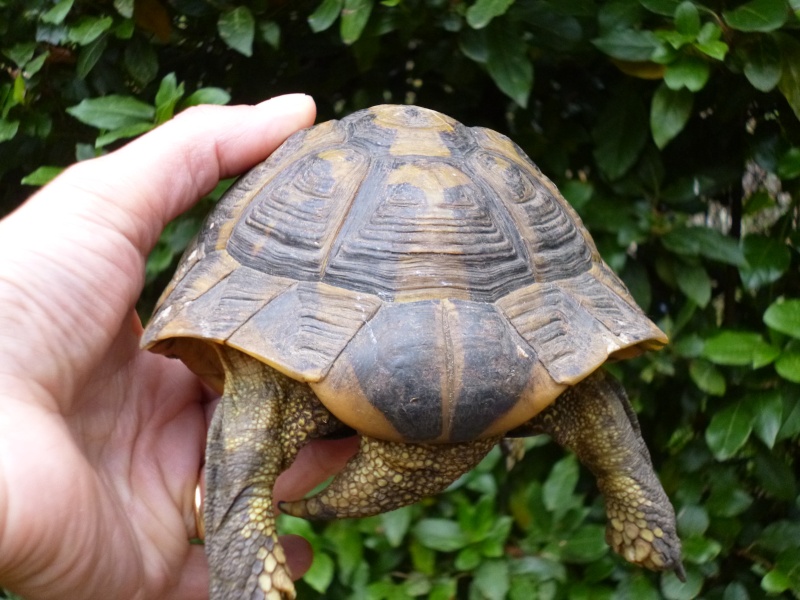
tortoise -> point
(420, 282)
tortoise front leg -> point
(261, 422)
(595, 420)
(385, 475)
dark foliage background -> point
(671, 126)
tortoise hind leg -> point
(261, 422)
(595, 420)
(385, 475)
(243, 458)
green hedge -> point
(673, 129)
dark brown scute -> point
(441, 369)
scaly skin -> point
(262, 421)
(595, 420)
(384, 476)
(264, 418)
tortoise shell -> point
(424, 278)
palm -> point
(129, 461)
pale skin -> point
(101, 444)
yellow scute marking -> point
(420, 143)
(433, 178)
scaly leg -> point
(513, 449)
(595, 420)
(384, 476)
(262, 420)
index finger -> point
(185, 158)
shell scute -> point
(426, 229)
(290, 225)
(567, 338)
(309, 324)
(213, 300)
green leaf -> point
(20, 89)
(729, 430)
(789, 164)
(788, 365)
(124, 8)
(767, 409)
(789, 83)
(8, 129)
(669, 113)
(126, 29)
(739, 348)
(88, 29)
(636, 586)
(320, 575)
(474, 45)
(709, 32)
(480, 14)
(468, 559)
(348, 545)
(355, 14)
(141, 60)
(693, 520)
(707, 377)
(21, 53)
(688, 346)
(548, 25)
(325, 15)
(207, 95)
(620, 135)
(585, 545)
(762, 64)
(706, 242)
(694, 282)
(237, 28)
(508, 65)
(443, 590)
(618, 15)
(700, 550)
(791, 422)
(628, 44)
(122, 133)
(167, 97)
(666, 8)
(757, 15)
(779, 536)
(491, 579)
(441, 535)
(90, 55)
(687, 19)
(36, 64)
(776, 582)
(270, 33)
(775, 474)
(768, 258)
(715, 49)
(758, 203)
(396, 524)
(784, 316)
(112, 112)
(58, 13)
(42, 176)
(688, 72)
(728, 501)
(560, 485)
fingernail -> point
(286, 100)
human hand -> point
(101, 444)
